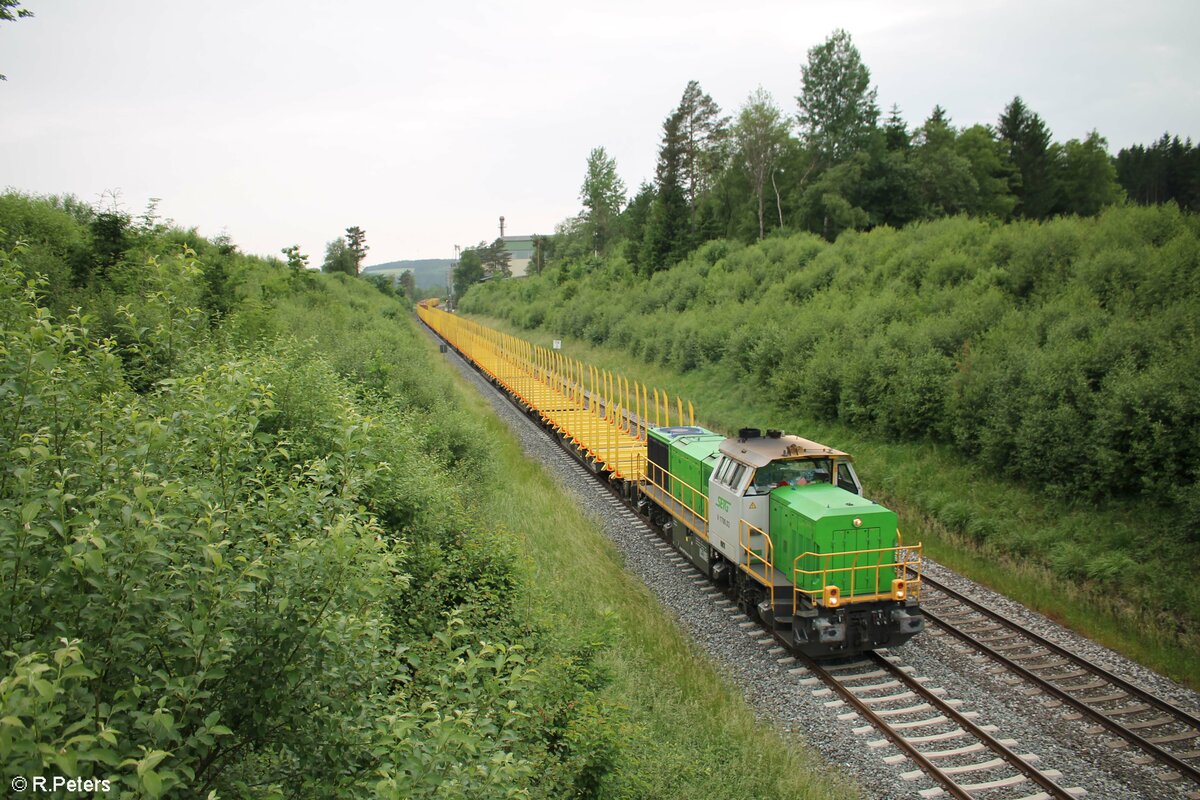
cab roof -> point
(762, 450)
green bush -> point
(242, 548)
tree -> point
(761, 137)
(1032, 152)
(837, 103)
(1088, 176)
(356, 243)
(11, 10)
(636, 217)
(468, 272)
(994, 173)
(296, 260)
(666, 235)
(495, 258)
(339, 258)
(408, 284)
(895, 131)
(833, 202)
(1167, 170)
(948, 185)
(603, 195)
(702, 135)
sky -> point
(280, 122)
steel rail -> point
(1108, 723)
(1009, 756)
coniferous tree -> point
(1034, 155)
(703, 135)
(895, 131)
(636, 216)
(356, 244)
(666, 237)
(495, 259)
(1167, 170)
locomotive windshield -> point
(794, 473)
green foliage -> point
(837, 103)
(241, 550)
(468, 272)
(339, 258)
(9, 11)
(356, 244)
(1167, 171)
(1065, 350)
(602, 195)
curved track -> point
(1168, 735)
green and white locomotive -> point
(782, 522)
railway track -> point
(965, 759)
(1167, 735)
(962, 758)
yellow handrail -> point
(899, 587)
(766, 558)
(652, 471)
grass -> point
(994, 532)
(689, 729)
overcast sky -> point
(283, 121)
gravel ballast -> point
(786, 700)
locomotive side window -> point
(846, 479)
(722, 470)
(735, 477)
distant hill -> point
(429, 272)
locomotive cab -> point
(812, 554)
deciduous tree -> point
(339, 258)
(1088, 176)
(408, 284)
(947, 183)
(468, 272)
(837, 104)
(602, 195)
(9, 11)
(761, 136)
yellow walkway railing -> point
(685, 502)
(760, 563)
(605, 414)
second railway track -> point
(1166, 734)
(961, 756)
